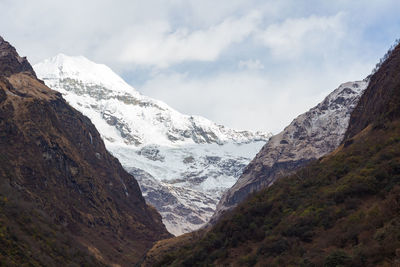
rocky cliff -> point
(63, 196)
(381, 102)
(11, 62)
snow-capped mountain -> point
(308, 137)
(183, 163)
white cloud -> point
(242, 100)
(294, 35)
(233, 99)
(251, 64)
(158, 45)
(256, 100)
(244, 69)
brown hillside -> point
(60, 189)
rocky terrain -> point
(183, 163)
(64, 199)
(310, 136)
(11, 62)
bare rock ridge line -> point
(63, 197)
(11, 62)
(309, 136)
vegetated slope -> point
(64, 199)
(341, 210)
(182, 163)
(308, 137)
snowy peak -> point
(82, 70)
(129, 117)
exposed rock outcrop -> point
(11, 62)
(383, 96)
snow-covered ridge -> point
(182, 163)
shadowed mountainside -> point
(63, 198)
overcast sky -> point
(246, 64)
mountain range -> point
(323, 192)
(183, 163)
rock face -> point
(53, 158)
(383, 96)
(309, 136)
(11, 62)
(178, 159)
(182, 208)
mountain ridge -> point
(308, 137)
(11, 62)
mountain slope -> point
(187, 158)
(381, 101)
(341, 210)
(308, 137)
(64, 198)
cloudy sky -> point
(247, 64)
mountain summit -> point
(183, 163)
(148, 121)
(81, 69)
